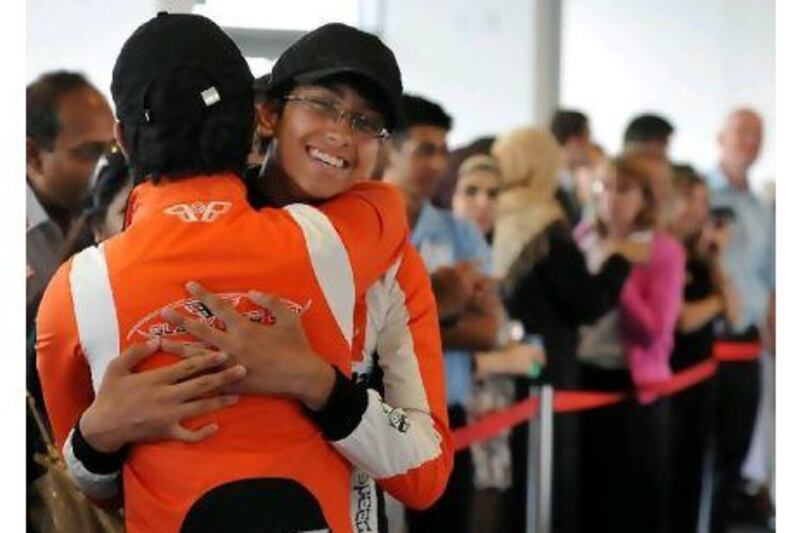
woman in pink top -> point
(626, 446)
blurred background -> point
(494, 64)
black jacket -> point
(555, 293)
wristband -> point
(344, 409)
(94, 460)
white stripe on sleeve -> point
(95, 311)
(330, 262)
(398, 435)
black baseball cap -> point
(341, 49)
(172, 42)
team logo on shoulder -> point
(199, 211)
(154, 325)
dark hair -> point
(567, 123)
(648, 127)
(260, 85)
(685, 179)
(42, 98)
(183, 136)
(418, 111)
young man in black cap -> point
(184, 97)
(404, 441)
(333, 68)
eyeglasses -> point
(328, 109)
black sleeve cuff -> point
(343, 411)
(93, 460)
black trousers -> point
(625, 461)
(692, 418)
(490, 511)
(451, 512)
(738, 391)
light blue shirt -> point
(443, 240)
(750, 258)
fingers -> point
(196, 387)
(468, 271)
(187, 435)
(193, 365)
(274, 305)
(138, 353)
(234, 389)
(197, 329)
(222, 309)
(205, 406)
(182, 349)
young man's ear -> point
(33, 158)
(267, 117)
(119, 136)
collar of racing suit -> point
(148, 198)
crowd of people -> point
(270, 301)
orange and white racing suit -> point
(321, 260)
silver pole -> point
(706, 489)
(532, 494)
(540, 463)
(545, 458)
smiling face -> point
(320, 156)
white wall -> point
(692, 60)
(472, 57)
(476, 58)
(82, 35)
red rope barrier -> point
(736, 351)
(495, 423)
